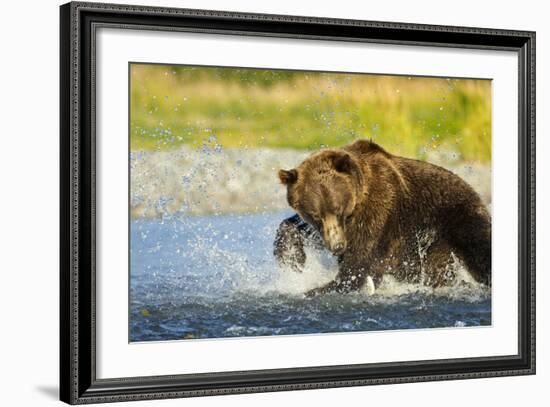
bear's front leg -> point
(293, 235)
(344, 283)
(351, 277)
(333, 286)
(288, 246)
(337, 286)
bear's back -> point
(437, 185)
(419, 188)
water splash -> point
(215, 276)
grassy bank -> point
(245, 108)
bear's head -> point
(325, 190)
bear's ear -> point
(288, 177)
(342, 162)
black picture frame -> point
(78, 382)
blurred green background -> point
(248, 108)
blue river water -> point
(215, 276)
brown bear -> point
(383, 214)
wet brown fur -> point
(400, 216)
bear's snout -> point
(333, 235)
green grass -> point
(247, 108)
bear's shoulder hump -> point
(365, 146)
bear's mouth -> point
(336, 245)
(338, 248)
